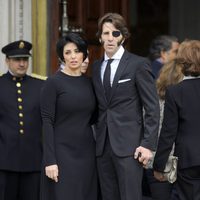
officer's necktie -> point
(106, 79)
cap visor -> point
(19, 56)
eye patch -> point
(116, 33)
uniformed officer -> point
(20, 126)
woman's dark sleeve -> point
(48, 107)
(168, 132)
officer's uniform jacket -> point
(20, 123)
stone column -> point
(40, 35)
(16, 24)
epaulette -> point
(38, 76)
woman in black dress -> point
(67, 105)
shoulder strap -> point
(38, 76)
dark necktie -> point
(106, 79)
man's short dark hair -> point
(159, 44)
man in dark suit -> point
(20, 126)
(125, 135)
(162, 50)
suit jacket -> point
(156, 67)
(20, 124)
(122, 115)
(181, 125)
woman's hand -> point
(52, 172)
(159, 176)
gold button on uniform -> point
(19, 99)
(18, 84)
(20, 107)
(21, 123)
(21, 115)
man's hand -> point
(52, 172)
(159, 176)
(144, 155)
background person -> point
(162, 50)
(20, 126)
(181, 125)
(170, 74)
(85, 65)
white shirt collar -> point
(117, 55)
(190, 77)
(159, 60)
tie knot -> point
(109, 61)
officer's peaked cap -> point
(17, 49)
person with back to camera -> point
(162, 50)
(181, 125)
(170, 74)
(67, 105)
(123, 85)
